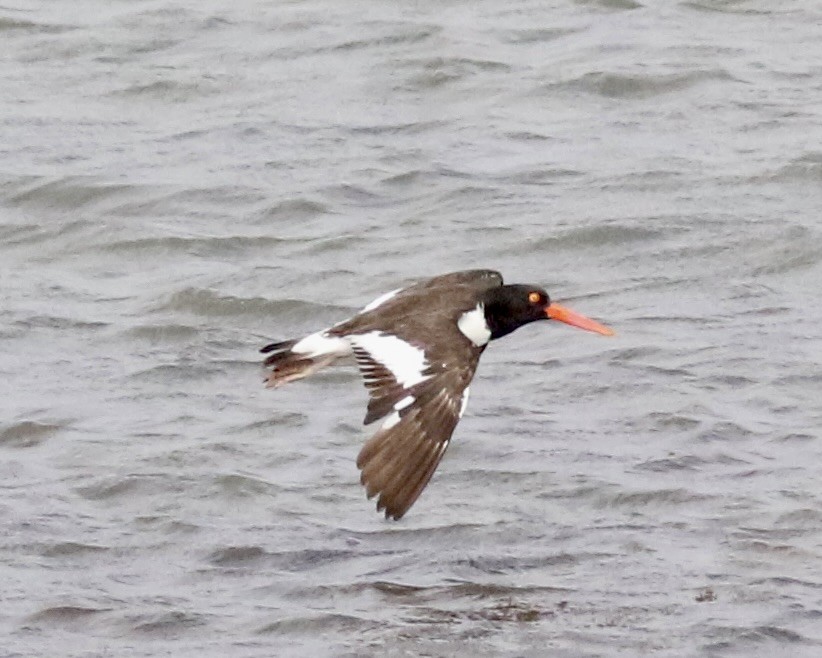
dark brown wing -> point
(427, 301)
(416, 364)
(399, 460)
(422, 342)
(420, 393)
(479, 280)
(433, 305)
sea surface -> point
(182, 182)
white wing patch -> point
(464, 402)
(379, 301)
(390, 420)
(473, 325)
(406, 362)
(321, 344)
(394, 417)
(407, 401)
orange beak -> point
(566, 315)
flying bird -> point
(417, 349)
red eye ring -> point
(534, 297)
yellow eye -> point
(534, 297)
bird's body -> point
(417, 348)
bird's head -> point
(509, 307)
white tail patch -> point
(321, 344)
(405, 361)
(473, 325)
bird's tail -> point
(295, 359)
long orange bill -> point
(566, 315)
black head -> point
(509, 307)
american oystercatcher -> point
(417, 349)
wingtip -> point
(391, 513)
(393, 516)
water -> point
(183, 182)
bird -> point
(417, 349)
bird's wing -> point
(421, 399)
(478, 280)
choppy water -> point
(184, 181)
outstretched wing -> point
(399, 460)
(417, 365)
(421, 399)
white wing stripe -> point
(407, 401)
(390, 421)
(405, 362)
(464, 402)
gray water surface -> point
(181, 182)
